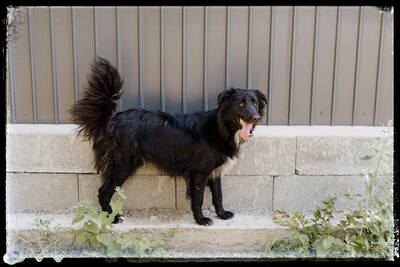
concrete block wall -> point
(291, 167)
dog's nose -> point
(255, 118)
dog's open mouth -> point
(246, 131)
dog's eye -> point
(254, 103)
(241, 104)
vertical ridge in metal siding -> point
(357, 69)
(162, 59)
(378, 72)
(269, 66)
(62, 37)
(54, 67)
(117, 43)
(249, 45)
(41, 67)
(8, 91)
(75, 59)
(281, 64)
(314, 72)
(32, 66)
(228, 35)
(334, 66)
(140, 55)
(94, 31)
(96, 27)
(385, 91)
(12, 85)
(205, 89)
(291, 76)
(184, 98)
(335, 62)
(271, 43)
(216, 51)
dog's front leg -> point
(197, 184)
(216, 192)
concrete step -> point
(246, 235)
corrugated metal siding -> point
(317, 65)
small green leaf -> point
(92, 212)
(93, 240)
(105, 239)
(79, 215)
(81, 237)
(105, 219)
(120, 192)
(116, 206)
(91, 226)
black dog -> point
(197, 146)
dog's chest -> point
(224, 168)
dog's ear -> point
(262, 101)
(224, 97)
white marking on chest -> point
(224, 168)
(227, 165)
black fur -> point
(188, 145)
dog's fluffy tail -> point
(98, 103)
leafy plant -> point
(43, 244)
(366, 231)
(95, 231)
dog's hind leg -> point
(197, 184)
(115, 177)
(216, 193)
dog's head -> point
(242, 108)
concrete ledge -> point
(320, 150)
(245, 232)
(49, 167)
(338, 155)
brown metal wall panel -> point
(193, 57)
(83, 36)
(324, 56)
(302, 65)
(280, 60)
(259, 49)
(384, 104)
(333, 68)
(215, 61)
(367, 66)
(345, 65)
(238, 40)
(172, 58)
(128, 55)
(43, 84)
(151, 57)
(63, 61)
(20, 72)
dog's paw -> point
(225, 215)
(119, 218)
(204, 221)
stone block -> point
(27, 191)
(240, 193)
(141, 191)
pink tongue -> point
(245, 132)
